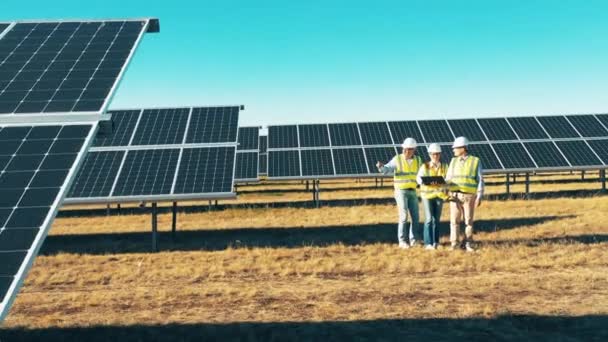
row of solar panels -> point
(437, 131)
(496, 157)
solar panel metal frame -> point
(164, 197)
(151, 25)
(46, 225)
(257, 151)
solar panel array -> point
(69, 69)
(64, 66)
(512, 144)
(247, 155)
(161, 154)
(263, 158)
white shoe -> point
(454, 247)
(413, 243)
(468, 247)
(403, 245)
(430, 247)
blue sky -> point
(322, 61)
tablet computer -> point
(428, 180)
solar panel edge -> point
(44, 229)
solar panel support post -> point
(174, 220)
(307, 186)
(527, 185)
(583, 175)
(381, 182)
(508, 184)
(108, 210)
(118, 207)
(603, 179)
(154, 228)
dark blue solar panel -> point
(436, 131)
(527, 128)
(249, 138)
(378, 154)
(206, 170)
(601, 148)
(401, 130)
(588, 126)
(263, 164)
(375, 133)
(147, 172)
(578, 153)
(97, 174)
(317, 163)
(161, 126)
(603, 118)
(350, 161)
(246, 166)
(486, 155)
(263, 143)
(313, 135)
(513, 156)
(344, 134)
(282, 136)
(283, 163)
(123, 126)
(557, 127)
(497, 129)
(546, 154)
(467, 128)
(63, 66)
(213, 125)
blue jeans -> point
(407, 201)
(432, 217)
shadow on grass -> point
(288, 237)
(502, 328)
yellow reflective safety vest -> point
(405, 173)
(464, 175)
(433, 191)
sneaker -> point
(468, 247)
(430, 247)
(454, 247)
(403, 245)
(413, 243)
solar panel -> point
(601, 148)
(213, 125)
(63, 67)
(350, 161)
(263, 143)
(263, 164)
(400, 130)
(249, 138)
(578, 153)
(283, 136)
(317, 163)
(497, 129)
(97, 174)
(124, 122)
(284, 163)
(557, 127)
(603, 118)
(467, 128)
(33, 181)
(147, 172)
(206, 170)
(513, 156)
(378, 154)
(246, 166)
(488, 158)
(436, 131)
(546, 154)
(587, 125)
(375, 133)
(527, 128)
(313, 135)
(161, 126)
(345, 134)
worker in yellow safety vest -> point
(432, 195)
(404, 167)
(465, 180)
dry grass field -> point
(334, 273)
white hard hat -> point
(460, 142)
(409, 143)
(434, 148)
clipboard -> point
(427, 180)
